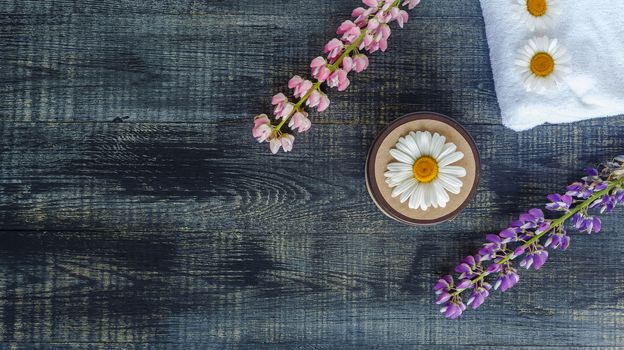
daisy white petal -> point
(446, 150)
(402, 187)
(450, 183)
(395, 180)
(414, 201)
(441, 194)
(426, 197)
(399, 167)
(401, 156)
(453, 170)
(410, 141)
(424, 142)
(437, 142)
(450, 159)
(403, 147)
(406, 195)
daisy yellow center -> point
(537, 8)
(425, 169)
(542, 64)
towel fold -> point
(592, 31)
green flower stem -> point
(553, 224)
(332, 68)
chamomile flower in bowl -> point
(424, 175)
(423, 169)
(542, 64)
(537, 14)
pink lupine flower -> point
(319, 69)
(361, 16)
(360, 63)
(371, 3)
(300, 122)
(347, 64)
(294, 81)
(387, 4)
(351, 35)
(279, 98)
(283, 110)
(338, 79)
(373, 24)
(319, 100)
(345, 27)
(262, 129)
(402, 18)
(333, 49)
(313, 99)
(282, 106)
(285, 141)
(275, 144)
(411, 3)
(300, 86)
(323, 102)
(370, 30)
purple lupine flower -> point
(579, 190)
(559, 202)
(510, 234)
(607, 203)
(453, 309)
(492, 250)
(479, 294)
(619, 197)
(536, 257)
(584, 223)
(443, 289)
(469, 267)
(558, 239)
(513, 241)
(590, 184)
(507, 278)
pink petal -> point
(275, 145)
(294, 81)
(279, 98)
(370, 3)
(347, 64)
(318, 62)
(314, 99)
(323, 103)
(287, 142)
(344, 27)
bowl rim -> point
(373, 188)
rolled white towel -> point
(592, 31)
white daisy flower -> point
(424, 174)
(537, 14)
(542, 64)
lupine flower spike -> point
(528, 238)
(367, 33)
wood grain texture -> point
(137, 212)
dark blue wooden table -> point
(136, 210)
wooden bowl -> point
(379, 157)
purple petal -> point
(464, 284)
(537, 213)
(442, 298)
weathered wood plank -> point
(293, 289)
(203, 61)
(122, 176)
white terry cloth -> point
(592, 31)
